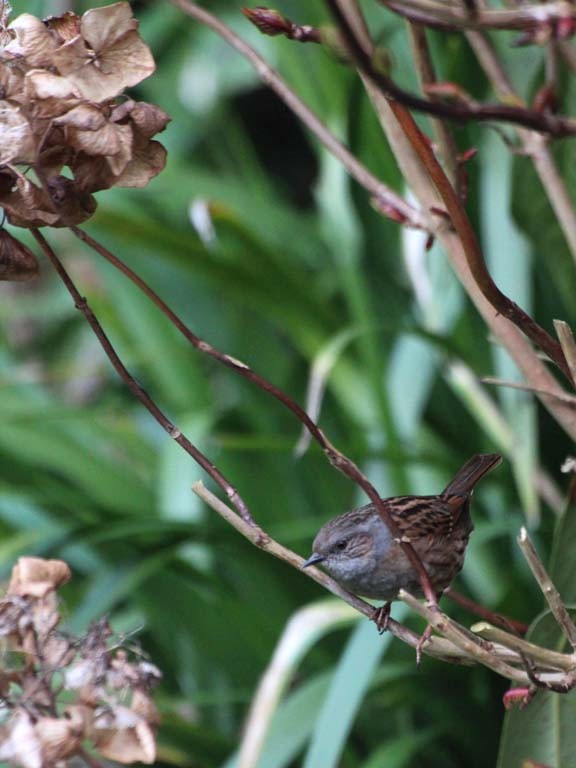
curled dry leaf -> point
(17, 262)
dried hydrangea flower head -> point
(66, 129)
(60, 692)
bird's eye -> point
(342, 544)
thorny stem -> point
(335, 457)
(390, 201)
(82, 305)
(501, 303)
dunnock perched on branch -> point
(359, 551)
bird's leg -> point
(381, 617)
(424, 637)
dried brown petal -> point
(148, 119)
(87, 130)
(92, 173)
(17, 262)
(108, 56)
(58, 737)
(65, 27)
(17, 143)
(123, 736)
(30, 206)
(100, 76)
(27, 205)
(85, 117)
(41, 84)
(144, 706)
(57, 651)
(11, 80)
(33, 41)
(81, 674)
(20, 744)
(36, 576)
(102, 27)
(145, 164)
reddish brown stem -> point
(82, 305)
(486, 613)
(502, 304)
(336, 458)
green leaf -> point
(544, 731)
(353, 676)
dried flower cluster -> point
(66, 130)
(61, 695)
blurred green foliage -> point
(298, 260)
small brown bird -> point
(359, 551)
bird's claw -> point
(381, 617)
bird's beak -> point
(313, 559)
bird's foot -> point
(381, 617)
(424, 637)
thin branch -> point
(564, 397)
(436, 646)
(391, 204)
(502, 304)
(450, 16)
(427, 76)
(81, 304)
(534, 145)
(335, 457)
(556, 126)
(566, 337)
(464, 640)
(544, 656)
(549, 591)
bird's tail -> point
(473, 471)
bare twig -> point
(392, 204)
(452, 16)
(566, 337)
(336, 458)
(556, 126)
(549, 591)
(564, 397)
(437, 647)
(427, 76)
(480, 651)
(543, 656)
(362, 57)
(534, 145)
(81, 304)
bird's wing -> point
(421, 516)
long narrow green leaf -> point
(351, 680)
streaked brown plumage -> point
(359, 551)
